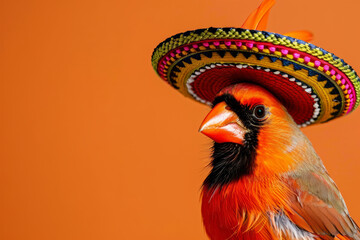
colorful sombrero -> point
(314, 85)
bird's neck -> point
(282, 153)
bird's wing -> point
(317, 206)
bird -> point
(266, 181)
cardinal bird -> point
(266, 180)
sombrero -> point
(314, 85)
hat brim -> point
(314, 85)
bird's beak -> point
(223, 125)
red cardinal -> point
(266, 181)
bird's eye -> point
(259, 112)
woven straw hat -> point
(314, 85)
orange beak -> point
(223, 125)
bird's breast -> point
(240, 209)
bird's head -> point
(250, 129)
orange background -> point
(94, 145)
